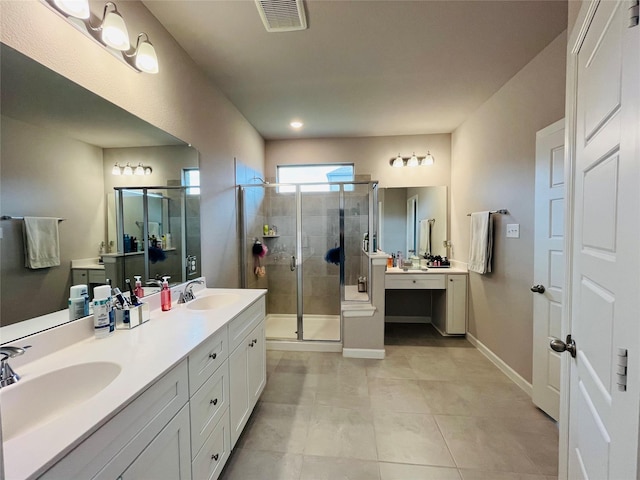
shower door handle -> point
(293, 263)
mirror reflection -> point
(413, 220)
(60, 143)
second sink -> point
(213, 301)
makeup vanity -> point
(446, 288)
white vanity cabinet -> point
(450, 310)
(247, 365)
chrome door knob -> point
(538, 289)
(559, 346)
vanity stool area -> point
(437, 296)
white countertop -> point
(144, 353)
(87, 263)
(430, 270)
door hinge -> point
(634, 13)
(621, 369)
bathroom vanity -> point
(167, 399)
(448, 288)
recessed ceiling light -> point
(296, 124)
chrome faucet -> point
(7, 375)
(187, 295)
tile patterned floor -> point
(435, 408)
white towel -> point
(425, 237)
(481, 244)
(41, 242)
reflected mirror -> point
(60, 143)
(413, 219)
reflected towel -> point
(481, 244)
(425, 236)
(41, 242)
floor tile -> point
(329, 468)
(410, 438)
(341, 432)
(403, 471)
(397, 395)
(277, 427)
(291, 388)
(485, 443)
(484, 475)
(256, 465)
(395, 367)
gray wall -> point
(45, 174)
(493, 167)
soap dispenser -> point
(165, 295)
(138, 290)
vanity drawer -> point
(208, 405)
(214, 454)
(415, 281)
(97, 276)
(206, 359)
(242, 325)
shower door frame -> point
(373, 227)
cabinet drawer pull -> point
(251, 344)
(255, 340)
(215, 457)
(213, 356)
(213, 402)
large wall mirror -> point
(413, 219)
(60, 143)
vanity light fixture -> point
(144, 56)
(412, 161)
(111, 32)
(128, 170)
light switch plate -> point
(513, 230)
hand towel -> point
(41, 242)
(481, 244)
(425, 237)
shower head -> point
(264, 182)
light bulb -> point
(116, 170)
(139, 170)
(413, 161)
(147, 170)
(128, 170)
(146, 59)
(74, 8)
(398, 162)
(428, 160)
(114, 30)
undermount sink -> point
(32, 402)
(213, 301)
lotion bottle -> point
(165, 295)
(102, 311)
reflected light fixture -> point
(128, 170)
(296, 124)
(412, 161)
(74, 8)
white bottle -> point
(102, 311)
(78, 302)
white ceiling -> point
(363, 68)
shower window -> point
(191, 180)
(317, 176)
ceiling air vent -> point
(282, 15)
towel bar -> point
(502, 211)
(10, 217)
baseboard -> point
(302, 346)
(514, 376)
(377, 354)
(406, 319)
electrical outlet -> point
(513, 230)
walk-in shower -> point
(304, 244)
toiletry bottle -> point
(139, 291)
(102, 311)
(78, 302)
(165, 295)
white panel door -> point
(548, 268)
(605, 280)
